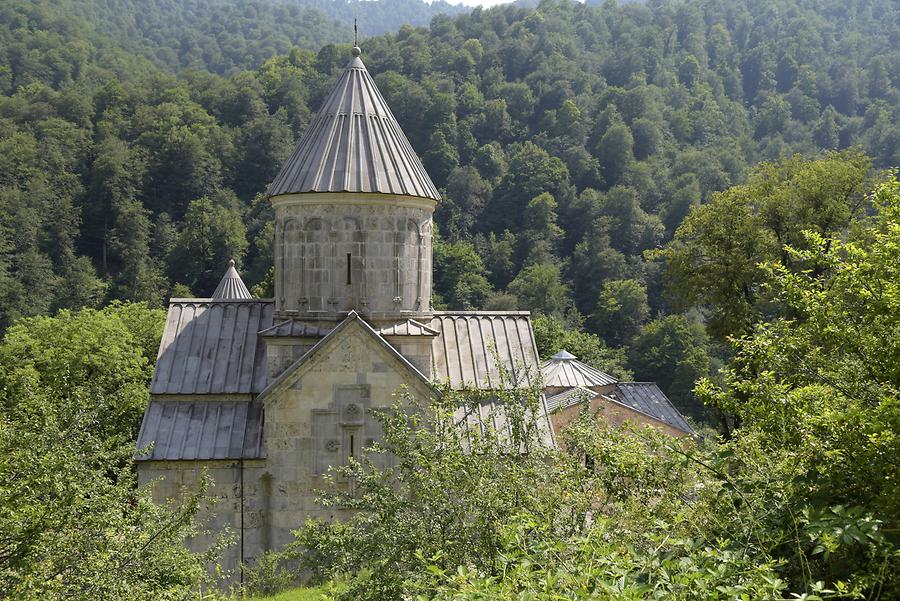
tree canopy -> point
(568, 140)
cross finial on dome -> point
(354, 144)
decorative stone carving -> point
(332, 445)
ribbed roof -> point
(647, 398)
(354, 144)
(410, 327)
(565, 370)
(211, 346)
(202, 430)
(475, 346)
(570, 397)
(294, 329)
(232, 286)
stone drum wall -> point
(368, 252)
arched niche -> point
(348, 264)
(290, 266)
(314, 269)
(410, 266)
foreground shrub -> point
(73, 523)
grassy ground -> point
(297, 594)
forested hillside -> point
(569, 140)
(225, 36)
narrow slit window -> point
(349, 275)
(352, 447)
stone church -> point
(266, 394)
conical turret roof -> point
(232, 286)
(565, 370)
(354, 144)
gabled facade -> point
(266, 394)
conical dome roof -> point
(232, 286)
(354, 144)
(565, 370)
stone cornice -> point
(352, 198)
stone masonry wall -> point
(613, 413)
(337, 252)
(320, 418)
(236, 502)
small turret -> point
(232, 287)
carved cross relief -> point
(344, 429)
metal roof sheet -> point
(211, 346)
(464, 353)
(564, 370)
(201, 430)
(295, 329)
(410, 327)
(570, 397)
(232, 286)
(491, 416)
(354, 144)
(647, 398)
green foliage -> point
(296, 594)
(540, 288)
(553, 335)
(673, 351)
(800, 500)
(115, 117)
(459, 275)
(621, 309)
(714, 259)
(212, 236)
(538, 566)
(231, 36)
(442, 502)
(817, 387)
(73, 522)
(106, 356)
(568, 139)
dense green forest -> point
(569, 140)
(694, 192)
(234, 35)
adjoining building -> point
(571, 386)
(265, 395)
